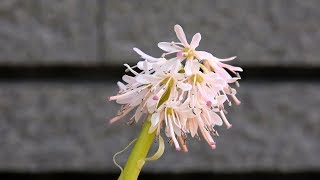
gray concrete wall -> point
(104, 32)
(61, 125)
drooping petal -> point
(227, 59)
(145, 56)
(231, 68)
(204, 55)
(181, 35)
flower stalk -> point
(139, 152)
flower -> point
(185, 94)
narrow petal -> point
(232, 68)
(195, 41)
(144, 55)
(204, 55)
(155, 119)
(169, 47)
(138, 114)
(227, 59)
(187, 68)
(180, 34)
(184, 86)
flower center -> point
(169, 111)
(188, 53)
(196, 77)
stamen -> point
(226, 122)
(236, 100)
(173, 136)
(183, 144)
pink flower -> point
(185, 94)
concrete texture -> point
(48, 32)
(62, 126)
(259, 32)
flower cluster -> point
(184, 90)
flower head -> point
(184, 90)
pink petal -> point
(169, 47)
(180, 34)
(204, 55)
(155, 119)
(144, 55)
(184, 86)
(215, 118)
(195, 41)
(232, 68)
(228, 59)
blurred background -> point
(60, 59)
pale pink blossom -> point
(185, 94)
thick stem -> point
(139, 152)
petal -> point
(188, 68)
(144, 55)
(204, 55)
(233, 80)
(147, 79)
(176, 66)
(228, 59)
(219, 70)
(168, 64)
(128, 79)
(144, 65)
(138, 114)
(155, 119)
(232, 68)
(184, 86)
(195, 66)
(221, 99)
(169, 47)
(193, 127)
(180, 34)
(121, 85)
(215, 118)
(195, 41)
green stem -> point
(139, 152)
